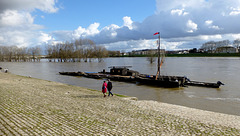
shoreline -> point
(36, 106)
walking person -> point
(109, 87)
(104, 88)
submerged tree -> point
(151, 56)
(80, 49)
(100, 52)
(17, 54)
(34, 51)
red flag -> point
(156, 33)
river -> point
(225, 99)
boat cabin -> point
(123, 71)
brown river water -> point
(225, 99)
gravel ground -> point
(30, 106)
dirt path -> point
(31, 106)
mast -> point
(159, 64)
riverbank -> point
(32, 106)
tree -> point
(211, 46)
(34, 51)
(151, 56)
(23, 53)
(75, 51)
(100, 52)
(236, 44)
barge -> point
(123, 74)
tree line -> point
(211, 46)
(77, 51)
(19, 54)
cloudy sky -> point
(123, 25)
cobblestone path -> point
(31, 106)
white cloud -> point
(110, 31)
(131, 45)
(191, 26)
(179, 12)
(43, 5)
(210, 37)
(128, 22)
(182, 23)
(235, 36)
(19, 29)
(84, 32)
(209, 23)
(163, 5)
(17, 24)
(44, 38)
(235, 11)
(14, 18)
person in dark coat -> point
(109, 87)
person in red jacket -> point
(104, 88)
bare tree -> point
(151, 56)
(23, 53)
(209, 46)
(34, 51)
(100, 52)
(75, 51)
(236, 44)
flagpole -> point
(158, 70)
(159, 56)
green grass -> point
(120, 95)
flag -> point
(156, 33)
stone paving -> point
(31, 106)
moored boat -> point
(204, 84)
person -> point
(6, 70)
(109, 87)
(104, 88)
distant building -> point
(183, 52)
(146, 51)
(226, 49)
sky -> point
(122, 25)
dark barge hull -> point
(203, 84)
(159, 82)
(162, 81)
(71, 73)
